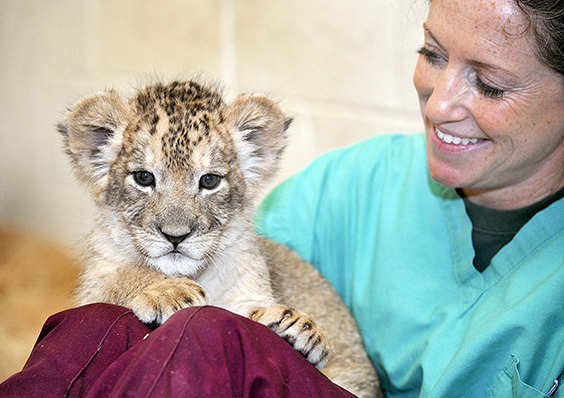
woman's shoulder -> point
(391, 145)
(364, 158)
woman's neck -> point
(517, 196)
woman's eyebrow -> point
(430, 34)
(474, 62)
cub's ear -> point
(259, 131)
(92, 131)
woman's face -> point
(494, 114)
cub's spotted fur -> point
(174, 173)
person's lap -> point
(104, 350)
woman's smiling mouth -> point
(450, 139)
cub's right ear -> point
(93, 132)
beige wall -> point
(342, 69)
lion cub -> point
(174, 173)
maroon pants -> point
(102, 350)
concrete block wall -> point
(343, 70)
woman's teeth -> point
(449, 139)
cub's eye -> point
(210, 181)
(144, 178)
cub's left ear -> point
(259, 131)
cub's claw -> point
(298, 329)
(161, 298)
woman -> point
(454, 271)
(456, 280)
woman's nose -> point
(446, 97)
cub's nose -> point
(174, 239)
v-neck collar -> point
(542, 227)
(493, 229)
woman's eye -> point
(209, 181)
(144, 178)
(488, 91)
(430, 56)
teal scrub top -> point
(397, 246)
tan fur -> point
(175, 173)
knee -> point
(88, 316)
(206, 315)
(98, 312)
(211, 322)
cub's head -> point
(174, 171)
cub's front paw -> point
(162, 297)
(298, 329)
